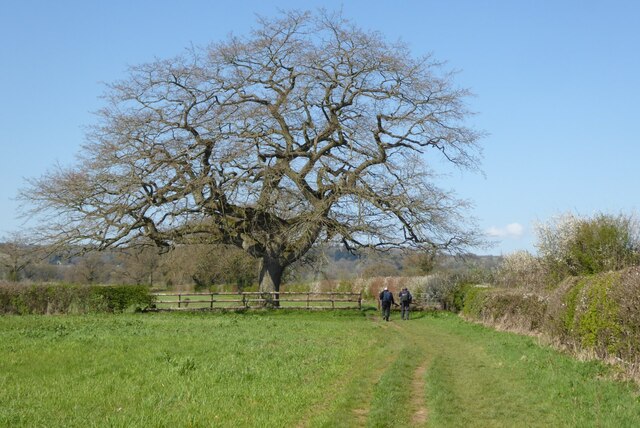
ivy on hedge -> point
(600, 313)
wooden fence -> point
(255, 300)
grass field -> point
(294, 369)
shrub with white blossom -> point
(521, 269)
(571, 245)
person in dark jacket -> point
(405, 298)
(386, 300)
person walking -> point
(405, 301)
(386, 300)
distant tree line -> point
(205, 266)
(199, 265)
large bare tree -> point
(309, 129)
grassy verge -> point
(502, 379)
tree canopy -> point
(308, 129)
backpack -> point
(405, 297)
(386, 296)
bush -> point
(602, 244)
(435, 288)
(65, 298)
(456, 297)
(626, 294)
(521, 270)
(518, 309)
(345, 286)
(471, 300)
(599, 313)
(120, 298)
(561, 309)
(569, 245)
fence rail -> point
(255, 300)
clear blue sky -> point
(557, 87)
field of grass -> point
(293, 369)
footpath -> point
(437, 370)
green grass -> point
(500, 379)
(292, 369)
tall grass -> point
(172, 369)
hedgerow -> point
(22, 299)
(597, 313)
(517, 308)
(473, 301)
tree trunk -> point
(271, 271)
(13, 275)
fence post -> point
(360, 300)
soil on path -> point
(417, 392)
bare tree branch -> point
(309, 129)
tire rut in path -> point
(418, 382)
(421, 413)
(361, 414)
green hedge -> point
(473, 301)
(599, 313)
(454, 300)
(24, 299)
(517, 308)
